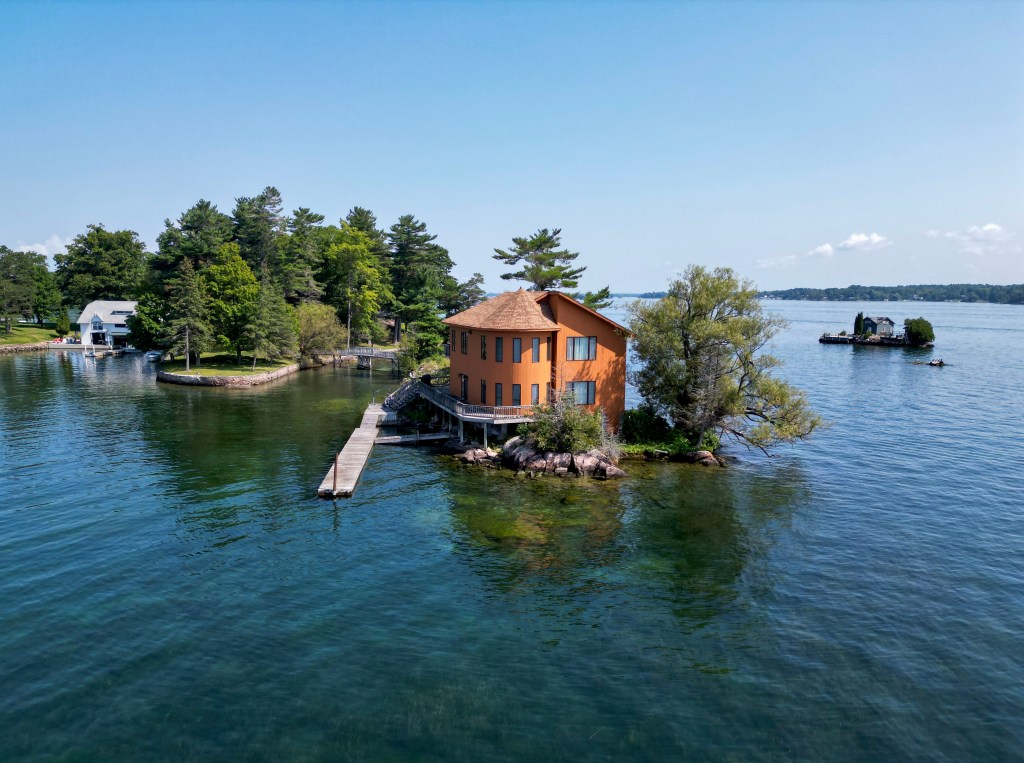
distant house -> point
(879, 325)
(518, 349)
(106, 322)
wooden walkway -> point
(344, 472)
(411, 439)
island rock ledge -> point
(517, 454)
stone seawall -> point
(198, 380)
(6, 349)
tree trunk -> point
(188, 357)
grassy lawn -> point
(216, 364)
(27, 334)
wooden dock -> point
(348, 465)
(412, 439)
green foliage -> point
(63, 324)
(355, 280)
(544, 265)
(957, 292)
(145, 328)
(102, 264)
(596, 300)
(467, 294)
(319, 331)
(272, 331)
(187, 328)
(858, 325)
(420, 272)
(644, 424)
(564, 427)
(300, 254)
(197, 236)
(19, 277)
(233, 293)
(918, 331)
(699, 363)
(256, 223)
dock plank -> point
(344, 473)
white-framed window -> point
(583, 391)
(581, 348)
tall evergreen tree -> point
(187, 328)
(542, 264)
(858, 324)
(301, 255)
(257, 223)
(418, 267)
(272, 330)
(196, 235)
(596, 300)
(233, 292)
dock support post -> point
(461, 438)
(337, 455)
(485, 435)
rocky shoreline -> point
(517, 454)
(234, 382)
(7, 349)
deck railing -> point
(467, 411)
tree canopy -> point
(918, 331)
(542, 263)
(701, 365)
(27, 287)
(102, 264)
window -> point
(499, 349)
(497, 393)
(122, 312)
(463, 386)
(583, 391)
(483, 392)
(534, 394)
(464, 342)
(483, 347)
(516, 392)
(517, 350)
(536, 349)
(581, 348)
(547, 350)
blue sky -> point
(803, 144)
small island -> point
(880, 331)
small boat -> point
(154, 355)
(938, 362)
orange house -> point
(516, 350)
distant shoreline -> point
(1012, 294)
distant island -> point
(957, 292)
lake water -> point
(171, 589)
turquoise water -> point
(170, 589)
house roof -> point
(512, 311)
(105, 308)
(520, 311)
(880, 319)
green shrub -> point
(565, 427)
(919, 331)
(643, 424)
(63, 325)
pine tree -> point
(858, 324)
(272, 330)
(187, 329)
(544, 266)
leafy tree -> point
(272, 329)
(355, 280)
(18, 283)
(301, 253)
(102, 264)
(47, 301)
(257, 222)
(196, 236)
(364, 220)
(918, 331)
(858, 324)
(699, 363)
(233, 292)
(187, 329)
(418, 269)
(146, 327)
(63, 325)
(544, 266)
(319, 331)
(564, 427)
(596, 300)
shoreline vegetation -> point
(1010, 294)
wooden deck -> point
(412, 439)
(348, 465)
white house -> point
(106, 322)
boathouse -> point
(879, 326)
(518, 349)
(106, 322)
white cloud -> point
(53, 245)
(778, 262)
(825, 250)
(977, 239)
(864, 242)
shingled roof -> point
(511, 311)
